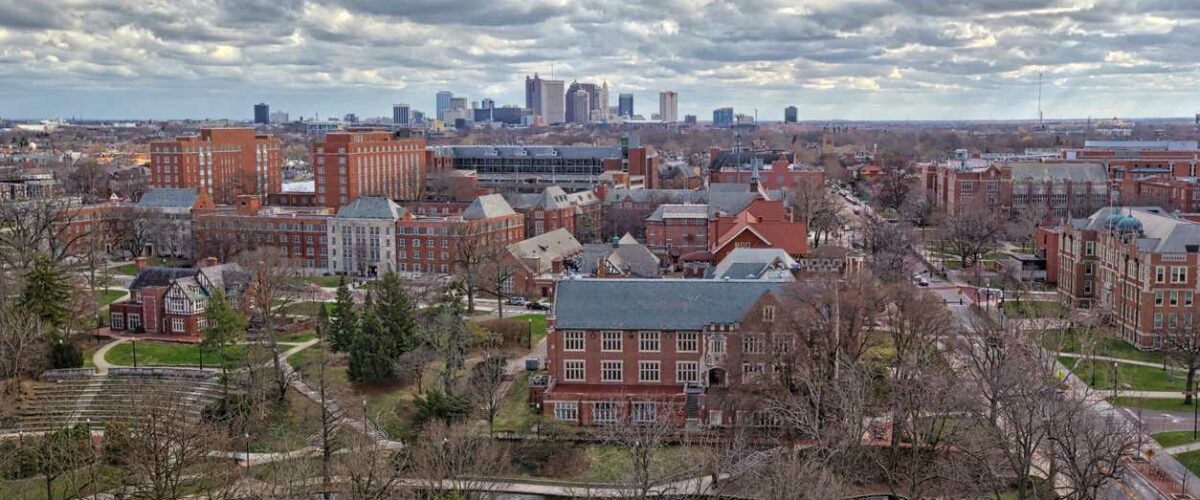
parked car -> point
(922, 282)
(537, 306)
(515, 301)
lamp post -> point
(529, 341)
(134, 343)
(200, 347)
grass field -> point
(1105, 346)
(514, 413)
(130, 269)
(1035, 309)
(1171, 405)
(308, 308)
(539, 325)
(170, 353)
(1191, 460)
(1174, 438)
(299, 337)
(106, 297)
(322, 281)
(1133, 377)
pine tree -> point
(225, 325)
(322, 321)
(368, 362)
(395, 310)
(344, 323)
(47, 293)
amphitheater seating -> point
(94, 401)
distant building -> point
(223, 162)
(262, 114)
(509, 115)
(351, 164)
(625, 105)
(790, 114)
(539, 262)
(1061, 190)
(689, 119)
(546, 98)
(171, 300)
(723, 117)
(279, 117)
(401, 114)
(418, 117)
(350, 118)
(443, 103)
(553, 208)
(530, 167)
(580, 111)
(668, 106)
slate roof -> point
(658, 304)
(486, 207)
(544, 249)
(371, 207)
(631, 257)
(169, 198)
(672, 211)
(1059, 172)
(755, 263)
(159, 276)
(576, 152)
(1161, 232)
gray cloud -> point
(857, 59)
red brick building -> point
(675, 230)
(1137, 266)
(351, 164)
(223, 162)
(539, 262)
(673, 352)
(763, 224)
(777, 174)
(1134, 158)
(1059, 190)
(1176, 194)
(165, 300)
(579, 213)
(299, 234)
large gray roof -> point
(486, 207)
(661, 304)
(755, 263)
(542, 250)
(1059, 172)
(159, 276)
(1160, 232)
(169, 198)
(592, 152)
(629, 256)
(371, 207)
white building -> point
(360, 237)
(668, 106)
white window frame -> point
(133, 321)
(644, 412)
(649, 341)
(573, 340)
(610, 366)
(605, 412)
(572, 367)
(117, 321)
(683, 369)
(687, 342)
(609, 338)
(646, 368)
(178, 325)
(567, 411)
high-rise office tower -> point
(581, 106)
(789, 114)
(625, 105)
(262, 113)
(487, 103)
(443, 103)
(531, 101)
(550, 97)
(459, 103)
(581, 114)
(400, 114)
(418, 117)
(723, 117)
(600, 102)
(668, 106)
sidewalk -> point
(1117, 360)
(1183, 448)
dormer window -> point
(768, 314)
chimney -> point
(140, 262)
(209, 262)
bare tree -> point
(1183, 347)
(413, 364)
(888, 247)
(971, 234)
(894, 185)
(449, 460)
(815, 206)
(39, 227)
(21, 345)
(270, 291)
(649, 428)
(487, 378)
(496, 274)
(1088, 448)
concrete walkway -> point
(102, 365)
(1118, 360)
(1183, 448)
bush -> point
(64, 354)
(510, 331)
(545, 459)
(447, 407)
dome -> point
(1112, 220)
(1129, 224)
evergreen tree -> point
(63, 353)
(322, 321)
(396, 311)
(47, 293)
(225, 325)
(368, 362)
(344, 323)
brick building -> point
(1175, 194)
(1060, 190)
(537, 263)
(223, 162)
(762, 224)
(777, 173)
(357, 163)
(675, 230)
(553, 208)
(1126, 158)
(1137, 266)
(166, 300)
(673, 352)
(299, 234)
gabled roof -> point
(486, 207)
(159, 276)
(542, 250)
(673, 211)
(1059, 172)
(755, 263)
(169, 198)
(1160, 232)
(371, 207)
(627, 256)
(659, 304)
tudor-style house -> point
(172, 301)
(637, 350)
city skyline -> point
(884, 59)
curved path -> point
(102, 365)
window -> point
(604, 412)
(566, 410)
(648, 371)
(611, 371)
(686, 342)
(648, 341)
(118, 321)
(1174, 298)
(1187, 299)
(1089, 267)
(752, 369)
(1158, 298)
(753, 344)
(1157, 320)
(1089, 248)
(716, 345)
(611, 342)
(573, 370)
(572, 341)
(1178, 274)
(1160, 274)
(686, 372)
(135, 321)
(768, 314)
(644, 412)
(177, 325)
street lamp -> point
(529, 342)
(200, 347)
(134, 343)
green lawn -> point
(300, 337)
(1133, 377)
(611, 464)
(1191, 460)
(170, 353)
(308, 308)
(130, 269)
(1174, 438)
(1105, 346)
(1171, 405)
(539, 325)
(514, 413)
(322, 281)
(106, 297)
(1035, 309)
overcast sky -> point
(851, 59)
